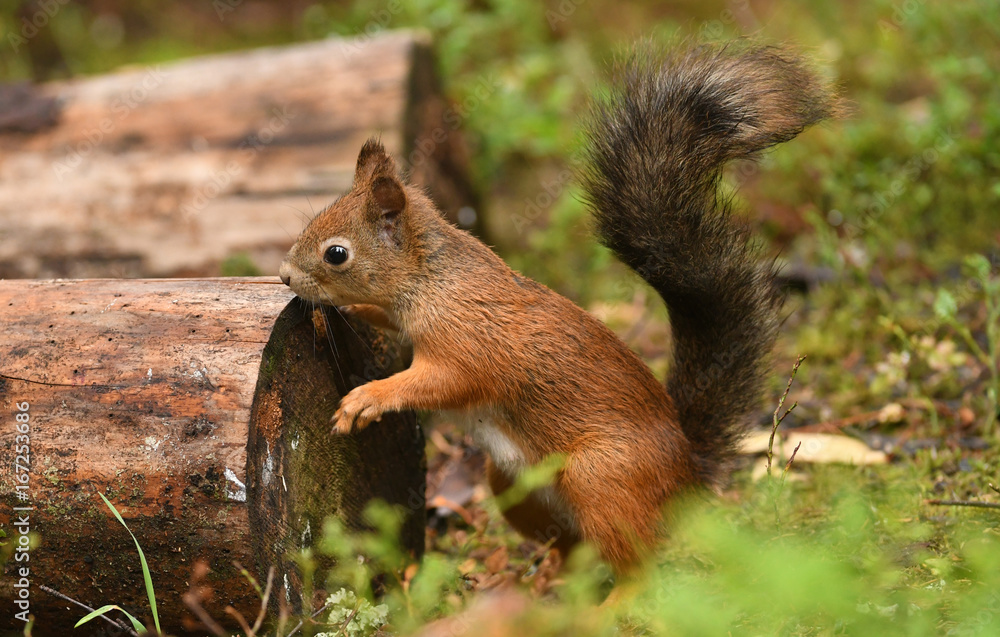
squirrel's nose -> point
(284, 273)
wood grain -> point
(168, 170)
(143, 390)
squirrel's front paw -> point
(357, 409)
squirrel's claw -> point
(357, 410)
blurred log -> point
(143, 390)
(169, 170)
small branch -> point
(264, 595)
(301, 622)
(113, 622)
(349, 619)
(791, 459)
(248, 577)
(241, 620)
(776, 420)
(194, 605)
(264, 600)
(835, 425)
(964, 503)
(994, 487)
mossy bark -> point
(298, 471)
(143, 390)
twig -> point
(934, 407)
(349, 619)
(994, 487)
(299, 625)
(840, 423)
(964, 503)
(264, 600)
(241, 620)
(264, 595)
(776, 420)
(248, 577)
(791, 459)
(113, 622)
(539, 554)
(194, 605)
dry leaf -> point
(815, 448)
(409, 574)
(966, 416)
(891, 413)
(498, 560)
(441, 502)
(755, 442)
(831, 448)
(493, 614)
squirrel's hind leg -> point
(535, 517)
(613, 512)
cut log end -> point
(298, 470)
(206, 429)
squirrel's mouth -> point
(304, 286)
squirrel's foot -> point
(357, 410)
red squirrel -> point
(533, 374)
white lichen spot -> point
(149, 374)
(267, 472)
(307, 535)
(109, 306)
(152, 444)
(237, 491)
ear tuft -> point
(373, 160)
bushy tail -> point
(658, 143)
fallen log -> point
(170, 170)
(206, 429)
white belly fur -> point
(505, 453)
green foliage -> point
(239, 264)
(353, 617)
(866, 568)
(541, 475)
(360, 557)
(147, 578)
(136, 624)
(849, 557)
(983, 283)
(888, 202)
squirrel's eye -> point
(336, 255)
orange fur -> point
(553, 378)
(535, 375)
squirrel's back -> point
(658, 142)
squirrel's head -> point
(358, 250)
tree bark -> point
(168, 396)
(175, 169)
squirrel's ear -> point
(373, 160)
(390, 200)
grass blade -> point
(145, 567)
(139, 628)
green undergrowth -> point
(890, 216)
(853, 551)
